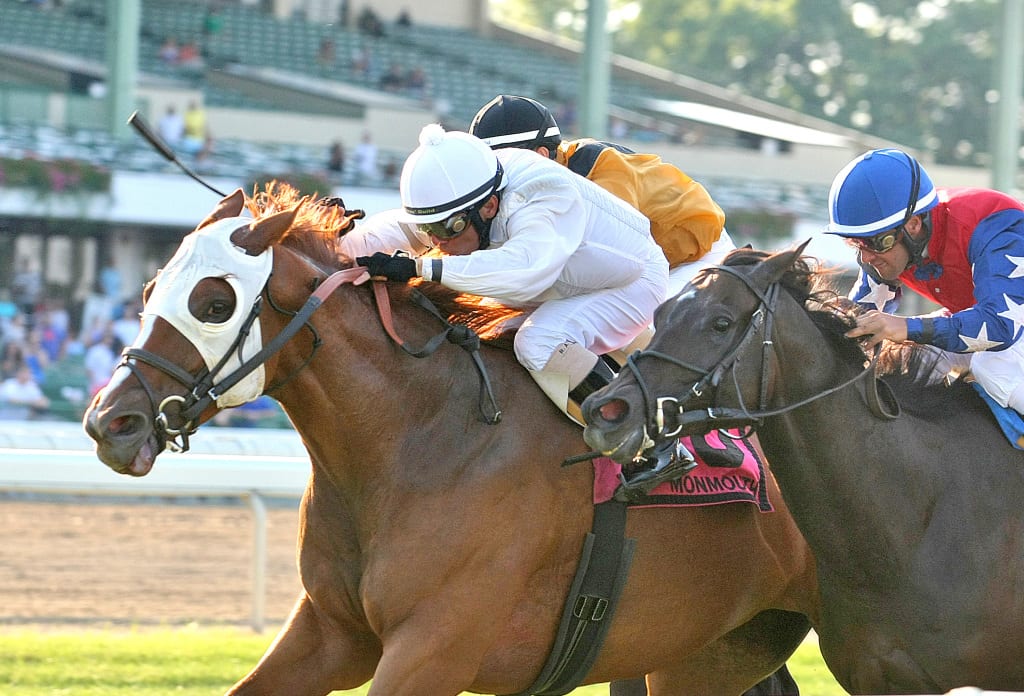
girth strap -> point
(593, 597)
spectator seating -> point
(464, 71)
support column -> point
(1006, 138)
(596, 68)
(123, 21)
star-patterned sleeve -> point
(995, 322)
(874, 294)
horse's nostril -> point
(121, 425)
(613, 411)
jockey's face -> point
(890, 264)
(465, 243)
(469, 240)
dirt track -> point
(144, 564)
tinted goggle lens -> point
(878, 244)
(446, 229)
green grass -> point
(199, 662)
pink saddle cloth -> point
(728, 470)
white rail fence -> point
(244, 463)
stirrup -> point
(668, 462)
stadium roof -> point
(747, 123)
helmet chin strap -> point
(483, 227)
(870, 271)
(916, 247)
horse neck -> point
(833, 458)
(365, 409)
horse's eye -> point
(218, 312)
(721, 324)
(212, 301)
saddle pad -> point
(1009, 420)
(728, 470)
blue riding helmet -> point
(879, 190)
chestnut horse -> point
(435, 549)
(916, 519)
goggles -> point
(880, 243)
(447, 229)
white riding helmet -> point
(447, 173)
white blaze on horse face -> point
(209, 253)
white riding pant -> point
(1001, 374)
(600, 321)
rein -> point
(459, 334)
(668, 417)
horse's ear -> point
(775, 266)
(230, 206)
(265, 232)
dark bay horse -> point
(435, 550)
(916, 522)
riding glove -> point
(391, 267)
(350, 215)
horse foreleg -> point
(779, 683)
(311, 657)
(417, 665)
(733, 664)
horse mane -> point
(319, 225)
(814, 286)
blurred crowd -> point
(54, 357)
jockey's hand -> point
(350, 216)
(878, 326)
(391, 267)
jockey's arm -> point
(996, 256)
(383, 232)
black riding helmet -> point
(511, 121)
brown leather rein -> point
(459, 334)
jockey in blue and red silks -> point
(962, 248)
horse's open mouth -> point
(142, 463)
(127, 443)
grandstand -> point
(256, 49)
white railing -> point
(250, 464)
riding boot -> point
(598, 377)
(571, 375)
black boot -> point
(665, 462)
(599, 376)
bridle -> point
(667, 416)
(204, 388)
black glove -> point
(391, 267)
(349, 216)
